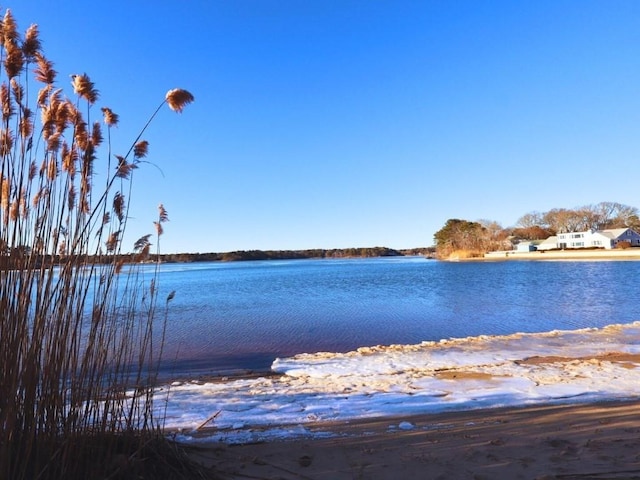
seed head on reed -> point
(53, 142)
(14, 210)
(96, 134)
(6, 142)
(5, 191)
(118, 266)
(88, 158)
(140, 149)
(124, 168)
(52, 169)
(50, 106)
(24, 205)
(43, 95)
(36, 198)
(84, 87)
(142, 247)
(14, 59)
(63, 115)
(141, 243)
(26, 124)
(163, 216)
(71, 197)
(69, 159)
(81, 135)
(33, 170)
(110, 118)
(9, 27)
(44, 71)
(5, 100)
(118, 205)
(112, 241)
(31, 45)
(178, 98)
(18, 91)
(85, 206)
(75, 116)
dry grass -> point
(80, 339)
(463, 254)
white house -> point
(525, 247)
(606, 239)
(548, 244)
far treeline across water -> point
(17, 258)
(367, 252)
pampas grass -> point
(79, 340)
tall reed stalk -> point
(79, 345)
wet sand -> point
(584, 441)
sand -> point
(568, 255)
(588, 441)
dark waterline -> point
(234, 317)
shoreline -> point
(565, 438)
(550, 441)
(257, 408)
(629, 254)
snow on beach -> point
(401, 380)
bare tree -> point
(531, 219)
(609, 215)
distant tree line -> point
(479, 237)
(14, 258)
(245, 255)
(601, 216)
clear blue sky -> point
(333, 124)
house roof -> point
(552, 239)
(613, 232)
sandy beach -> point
(591, 438)
(627, 254)
(586, 441)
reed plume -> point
(110, 118)
(31, 45)
(81, 342)
(177, 99)
(84, 88)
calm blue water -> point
(239, 316)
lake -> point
(233, 317)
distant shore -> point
(252, 255)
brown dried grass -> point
(463, 254)
(81, 341)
